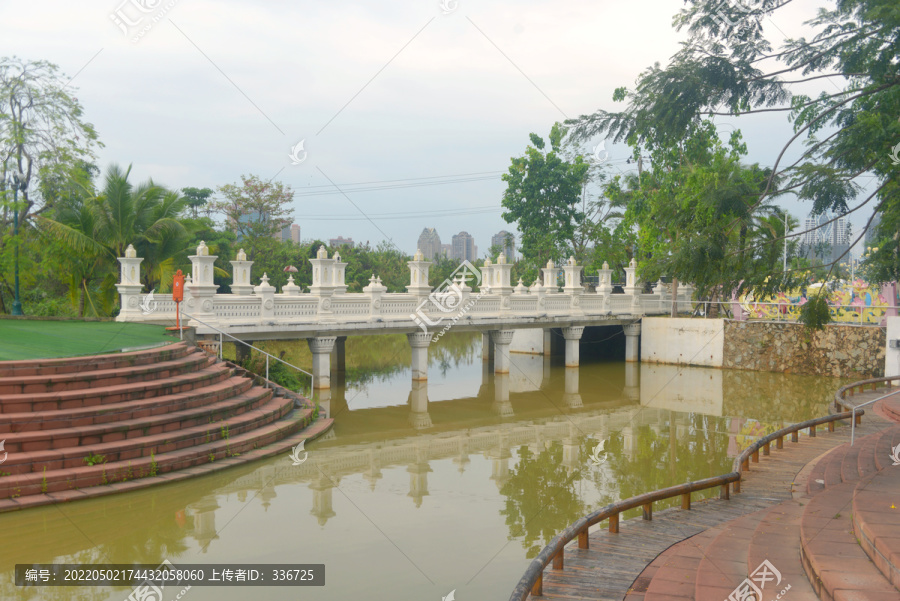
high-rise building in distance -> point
(462, 247)
(507, 243)
(430, 244)
(340, 241)
(823, 240)
(289, 233)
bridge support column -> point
(487, 349)
(418, 406)
(573, 339)
(339, 355)
(419, 342)
(321, 348)
(548, 342)
(632, 340)
(501, 340)
(502, 406)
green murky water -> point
(420, 490)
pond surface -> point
(420, 490)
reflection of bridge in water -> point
(414, 435)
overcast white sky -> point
(375, 90)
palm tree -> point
(100, 225)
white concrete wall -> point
(682, 341)
(528, 340)
(892, 355)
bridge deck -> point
(609, 568)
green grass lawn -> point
(25, 339)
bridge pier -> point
(502, 406)
(632, 341)
(487, 349)
(339, 358)
(418, 342)
(501, 340)
(573, 339)
(548, 342)
(418, 405)
(321, 348)
(571, 396)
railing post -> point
(559, 559)
(812, 431)
(648, 511)
(745, 465)
(724, 493)
(766, 450)
(737, 486)
(831, 426)
(583, 539)
(795, 436)
(779, 442)
(755, 456)
(686, 500)
(614, 523)
(538, 589)
(267, 371)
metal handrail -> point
(839, 398)
(221, 333)
(532, 580)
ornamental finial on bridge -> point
(322, 253)
(241, 256)
(202, 250)
(130, 253)
(418, 256)
(550, 264)
(501, 260)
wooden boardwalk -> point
(611, 566)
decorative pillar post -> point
(418, 275)
(322, 279)
(573, 278)
(573, 338)
(632, 286)
(340, 287)
(632, 342)
(321, 351)
(502, 283)
(241, 275)
(501, 340)
(418, 342)
(129, 285)
(487, 278)
(375, 290)
(604, 283)
(202, 287)
(290, 289)
(266, 292)
(550, 273)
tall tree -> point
(196, 198)
(255, 209)
(543, 197)
(727, 67)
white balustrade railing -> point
(328, 302)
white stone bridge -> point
(327, 313)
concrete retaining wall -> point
(682, 341)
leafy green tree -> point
(255, 210)
(196, 198)
(728, 68)
(542, 197)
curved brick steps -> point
(876, 521)
(69, 399)
(29, 463)
(101, 414)
(673, 574)
(724, 564)
(827, 471)
(47, 367)
(884, 447)
(777, 540)
(834, 562)
(142, 417)
(104, 377)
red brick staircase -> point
(837, 540)
(87, 426)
